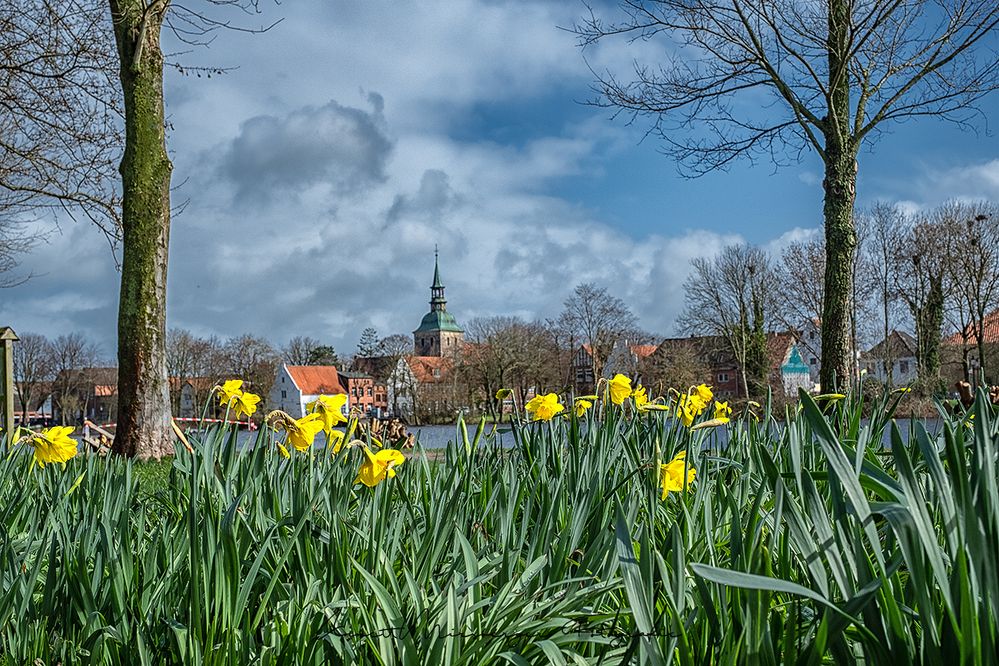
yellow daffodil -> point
(244, 404)
(379, 466)
(831, 397)
(685, 411)
(330, 408)
(722, 410)
(335, 440)
(671, 474)
(689, 407)
(640, 396)
(302, 432)
(703, 392)
(229, 390)
(53, 445)
(504, 393)
(581, 406)
(903, 389)
(620, 388)
(544, 407)
(282, 450)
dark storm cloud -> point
(344, 147)
(433, 199)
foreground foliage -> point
(803, 542)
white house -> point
(297, 385)
(900, 349)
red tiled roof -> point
(315, 379)
(423, 367)
(778, 346)
(990, 332)
(643, 351)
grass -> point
(801, 543)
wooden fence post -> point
(7, 340)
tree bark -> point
(143, 388)
(839, 186)
(841, 241)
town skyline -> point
(527, 191)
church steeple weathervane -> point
(437, 301)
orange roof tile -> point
(424, 367)
(643, 351)
(990, 331)
(315, 379)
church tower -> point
(439, 333)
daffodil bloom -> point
(831, 397)
(581, 406)
(686, 411)
(378, 466)
(704, 393)
(544, 407)
(903, 389)
(722, 410)
(504, 393)
(335, 440)
(53, 445)
(229, 390)
(330, 408)
(244, 403)
(689, 407)
(282, 450)
(640, 396)
(620, 388)
(671, 474)
(302, 432)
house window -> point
(369, 391)
(811, 335)
(284, 394)
(903, 367)
(437, 372)
(282, 380)
(722, 377)
(813, 361)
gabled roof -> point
(315, 379)
(643, 351)
(990, 332)
(898, 343)
(423, 367)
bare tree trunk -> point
(143, 390)
(839, 185)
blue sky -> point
(353, 137)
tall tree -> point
(823, 76)
(924, 286)
(734, 296)
(802, 275)
(300, 350)
(254, 360)
(143, 389)
(596, 318)
(974, 266)
(71, 354)
(887, 228)
(367, 345)
(33, 365)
